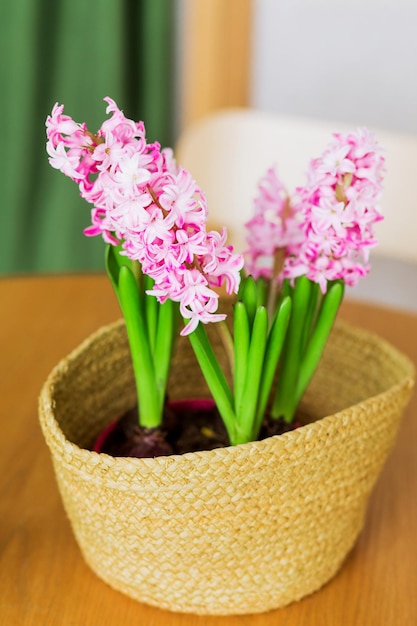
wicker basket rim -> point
(327, 423)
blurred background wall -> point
(353, 62)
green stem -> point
(215, 379)
(227, 342)
(272, 297)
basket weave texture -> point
(242, 529)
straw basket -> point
(242, 529)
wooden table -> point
(43, 579)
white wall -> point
(352, 61)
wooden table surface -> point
(43, 578)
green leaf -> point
(215, 379)
(241, 333)
(249, 298)
(149, 409)
(164, 347)
(241, 285)
(261, 291)
(331, 302)
(273, 351)
(114, 261)
(112, 267)
(284, 401)
(311, 314)
(151, 312)
(246, 417)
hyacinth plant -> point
(165, 265)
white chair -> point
(229, 151)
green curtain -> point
(74, 52)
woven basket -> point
(242, 529)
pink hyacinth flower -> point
(339, 206)
(143, 201)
